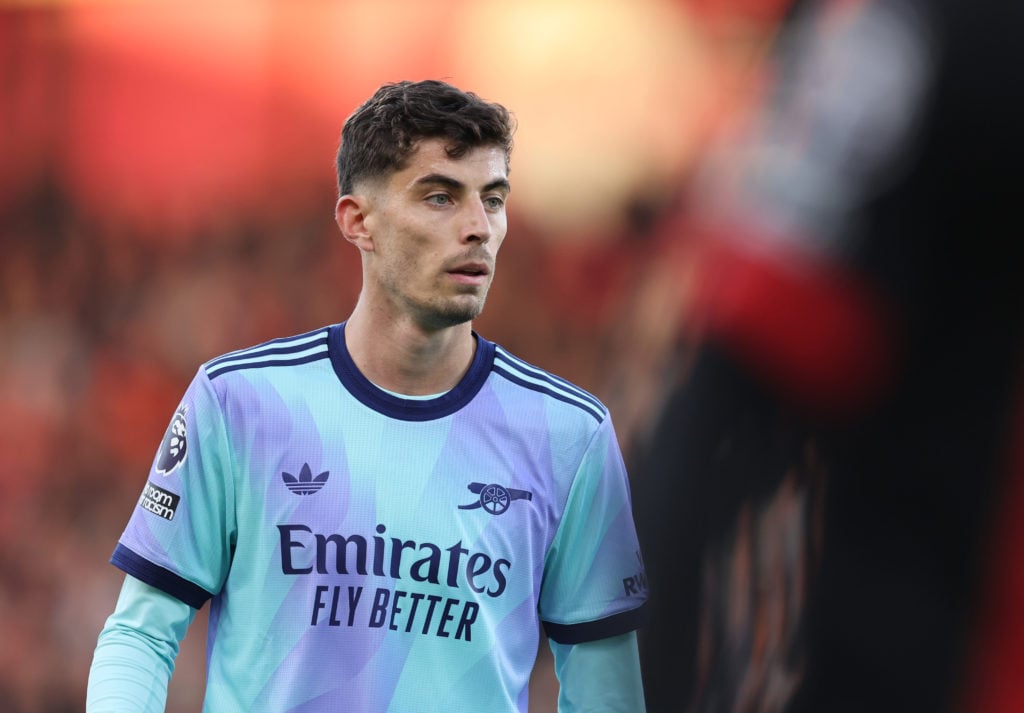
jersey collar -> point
(409, 409)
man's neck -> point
(400, 356)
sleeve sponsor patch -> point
(159, 501)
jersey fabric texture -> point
(368, 552)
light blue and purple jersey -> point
(369, 552)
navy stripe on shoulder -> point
(293, 361)
(156, 576)
(531, 377)
(285, 341)
(300, 349)
(598, 415)
(540, 374)
(614, 625)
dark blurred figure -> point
(821, 499)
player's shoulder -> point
(563, 393)
(284, 351)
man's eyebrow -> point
(456, 185)
(501, 183)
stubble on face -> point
(443, 306)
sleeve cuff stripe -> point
(614, 625)
(156, 576)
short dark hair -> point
(380, 135)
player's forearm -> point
(128, 675)
(599, 676)
(135, 653)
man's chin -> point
(452, 315)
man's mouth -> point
(470, 273)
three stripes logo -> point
(530, 377)
(305, 483)
(301, 349)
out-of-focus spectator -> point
(817, 497)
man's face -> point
(436, 227)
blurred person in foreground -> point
(821, 501)
(383, 512)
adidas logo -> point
(305, 483)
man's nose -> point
(477, 226)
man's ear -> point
(350, 214)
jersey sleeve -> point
(181, 534)
(594, 583)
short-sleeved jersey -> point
(367, 552)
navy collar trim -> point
(409, 409)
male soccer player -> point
(382, 511)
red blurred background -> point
(166, 195)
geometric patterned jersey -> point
(366, 552)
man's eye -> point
(494, 202)
(439, 199)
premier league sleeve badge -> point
(174, 447)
